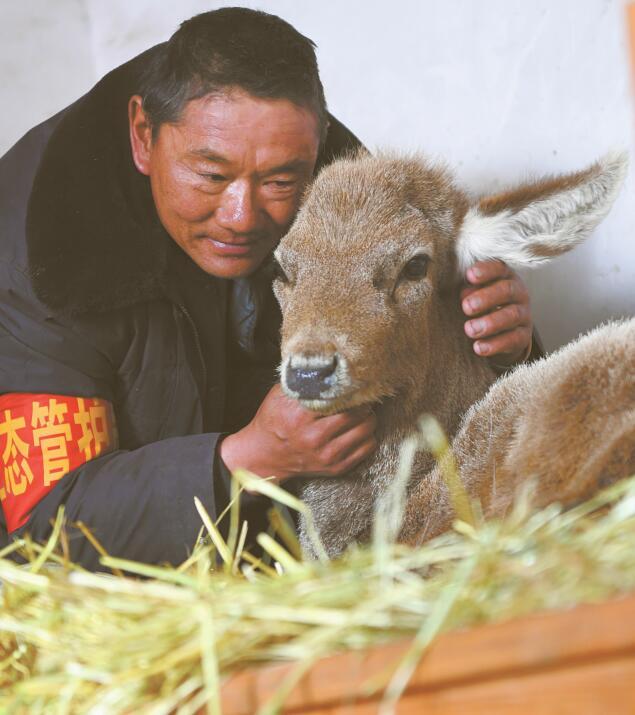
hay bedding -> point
(75, 642)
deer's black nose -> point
(310, 377)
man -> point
(139, 334)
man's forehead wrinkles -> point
(208, 139)
(264, 165)
(209, 155)
(286, 167)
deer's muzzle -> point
(311, 378)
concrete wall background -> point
(501, 89)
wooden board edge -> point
(539, 641)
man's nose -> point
(238, 210)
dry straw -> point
(75, 642)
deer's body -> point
(566, 422)
(371, 315)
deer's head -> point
(369, 272)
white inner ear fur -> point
(554, 224)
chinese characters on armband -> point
(42, 438)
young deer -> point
(368, 284)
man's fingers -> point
(342, 421)
(489, 298)
(507, 318)
(361, 453)
(497, 301)
(513, 342)
(468, 290)
(487, 271)
(286, 439)
(343, 446)
(327, 428)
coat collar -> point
(94, 240)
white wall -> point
(501, 89)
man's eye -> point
(215, 177)
(282, 184)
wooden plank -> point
(586, 635)
(606, 688)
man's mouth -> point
(234, 248)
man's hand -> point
(497, 303)
(284, 440)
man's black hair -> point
(233, 47)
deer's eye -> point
(416, 268)
(278, 272)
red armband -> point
(42, 438)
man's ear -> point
(536, 222)
(140, 134)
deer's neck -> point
(452, 378)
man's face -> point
(228, 177)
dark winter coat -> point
(91, 306)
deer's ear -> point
(536, 222)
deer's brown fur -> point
(399, 343)
(567, 423)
